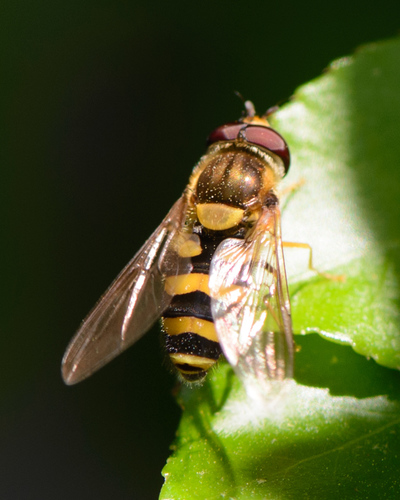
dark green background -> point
(104, 109)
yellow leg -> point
(293, 187)
(334, 277)
(289, 191)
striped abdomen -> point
(190, 337)
(228, 191)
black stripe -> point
(188, 368)
(191, 343)
(209, 242)
(197, 304)
(201, 263)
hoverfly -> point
(213, 271)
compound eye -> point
(227, 132)
(268, 138)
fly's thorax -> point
(232, 177)
(231, 184)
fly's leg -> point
(306, 246)
(289, 191)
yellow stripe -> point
(218, 216)
(197, 361)
(190, 248)
(187, 283)
(176, 326)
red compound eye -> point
(269, 139)
(227, 132)
(265, 137)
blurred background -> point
(104, 109)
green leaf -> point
(344, 133)
(335, 430)
(302, 442)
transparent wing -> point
(134, 301)
(250, 303)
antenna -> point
(248, 105)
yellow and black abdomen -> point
(228, 194)
(190, 337)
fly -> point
(213, 271)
